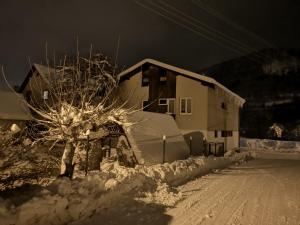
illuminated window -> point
(45, 95)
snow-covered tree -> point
(79, 102)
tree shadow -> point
(22, 194)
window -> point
(145, 81)
(226, 133)
(186, 106)
(216, 133)
(169, 102)
(145, 105)
(45, 95)
(163, 101)
(223, 105)
(163, 79)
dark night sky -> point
(25, 27)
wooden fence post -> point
(164, 148)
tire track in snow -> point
(265, 192)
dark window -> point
(162, 101)
(163, 77)
(223, 105)
(226, 133)
(145, 105)
(216, 133)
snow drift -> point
(266, 144)
(67, 200)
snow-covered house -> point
(204, 110)
(13, 110)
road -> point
(262, 191)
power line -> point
(212, 31)
(220, 16)
(183, 25)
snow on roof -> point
(44, 71)
(184, 72)
(13, 107)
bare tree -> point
(78, 102)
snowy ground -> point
(114, 188)
(262, 191)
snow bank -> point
(67, 200)
(266, 144)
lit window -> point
(186, 106)
(45, 95)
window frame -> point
(186, 106)
(168, 104)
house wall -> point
(207, 114)
(220, 119)
(193, 125)
(197, 120)
(158, 89)
(132, 91)
(33, 92)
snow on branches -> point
(79, 101)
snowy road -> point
(262, 191)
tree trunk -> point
(67, 167)
(95, 156)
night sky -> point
(26, 25)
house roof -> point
(44, 71)
(187, 73)
(13, 107)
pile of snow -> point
(266, 144)
(67, 200)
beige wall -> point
(186, 87)
(133, 91)
(219, 118)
